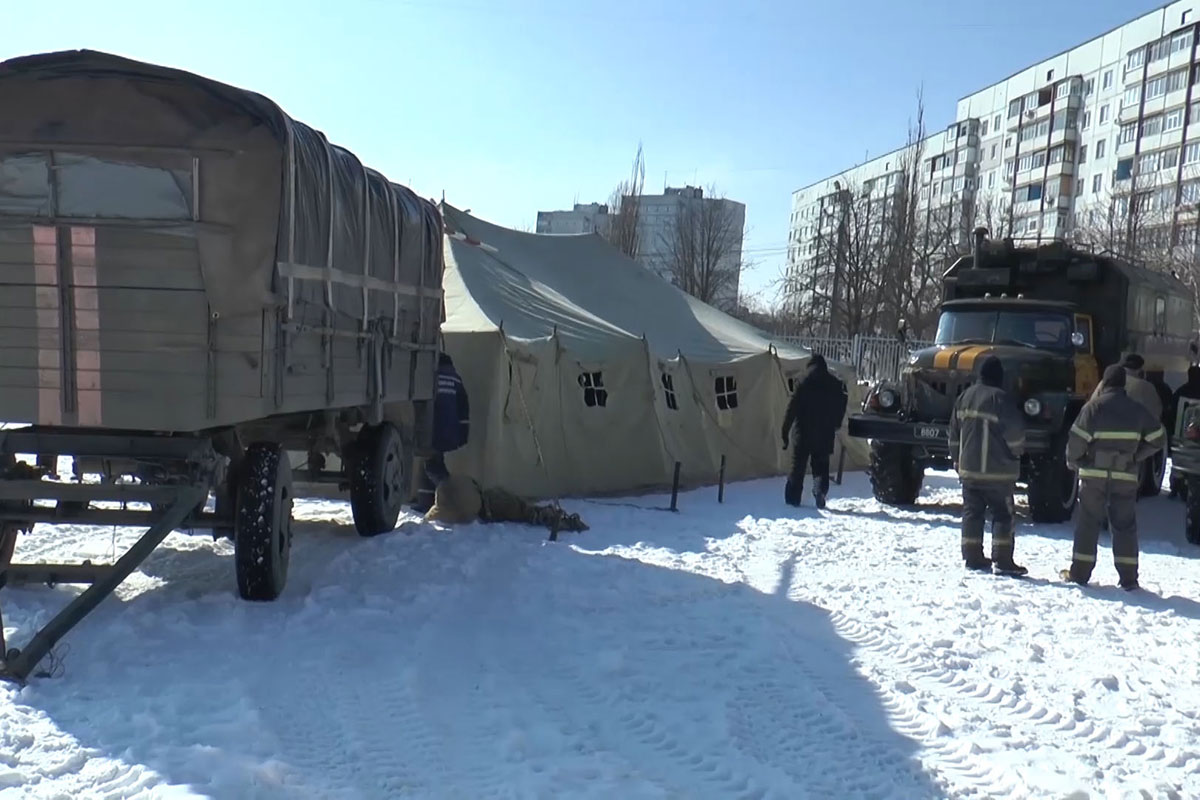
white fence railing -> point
(874, 358)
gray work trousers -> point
(980, 497)
(1116, 502)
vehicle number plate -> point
(929, 433)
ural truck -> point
(193, 287)
(1056, 316)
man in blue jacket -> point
(451, 429)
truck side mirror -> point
(1077, 338)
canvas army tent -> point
(590, 375)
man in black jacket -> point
(813, 418)
(1189, 391)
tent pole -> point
(674, 489)
(721, 484)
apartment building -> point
(1096, 141)
(582, 218)
(657, 220)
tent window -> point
(668, 382)
(594, 393)
(791, 384)
(726, 393)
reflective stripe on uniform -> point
(970, 413)
(1080, 432)
(1078, 556)
(1106, 474)
(1158, 434)
(1121, 435)
(1126, 561)
(970, 475)
(1013, 444)
(1001, 539)
(972, 540)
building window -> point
(1014, 108)
(1103, 114)
(1096, 183)
(1083, 154)
(1168, 158)
(1128, 133)
(1135, 59)
(594, 393)
(1089, 86)
(1063, 89)
(1173, 119)
(1176, 80)
(993, 151)
(1100, 149)
(1147, 163)
(984, 128)
(1007, 142)
(1191, 153)
(1049, 74)
(1152, 126)
(1034, 192)
(991, 179)
(726, 387)
(1132, 95)
(1087, 121)
(1079, 187)
(996, 124)
(1124, 169)
(668, 382)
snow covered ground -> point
(744, 650)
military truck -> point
(1185, 459)
(193, 287)
(1056, 316)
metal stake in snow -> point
(721, 484)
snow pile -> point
(744, 650)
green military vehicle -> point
(1185, 460)
(1056, 316)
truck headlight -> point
(888, 399)
(1033, 407)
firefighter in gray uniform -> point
(1111, 436)
(987, 437)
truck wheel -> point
(1053, 489)
(380, 479)
(896, 476)
(262, 533)
(1151, 474)
(1192, 514)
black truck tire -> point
(896, 476)
(1053, 489)
(262, 533)
(1192, 505)
(380, 479)
(1151, 474)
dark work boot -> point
(792, 492)
(1009, 567)
(820, 490)
(979, 563)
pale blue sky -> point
(515, 106)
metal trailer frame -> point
(174, 474)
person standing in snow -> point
(1111, 437)
(813, 418)
(451, 429)
(987, 437)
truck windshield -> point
(1042, 329)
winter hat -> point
(992, 371)
(1114, 377)
(818, 363)
(1133, 361)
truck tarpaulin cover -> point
(128, 142)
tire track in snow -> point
(958, 761)
(987, 694)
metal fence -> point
(874, 358)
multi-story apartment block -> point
(658, 217)
(1097, 144)
(589, 218)
(657, 220)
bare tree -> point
(625, 209)
(702, 248)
